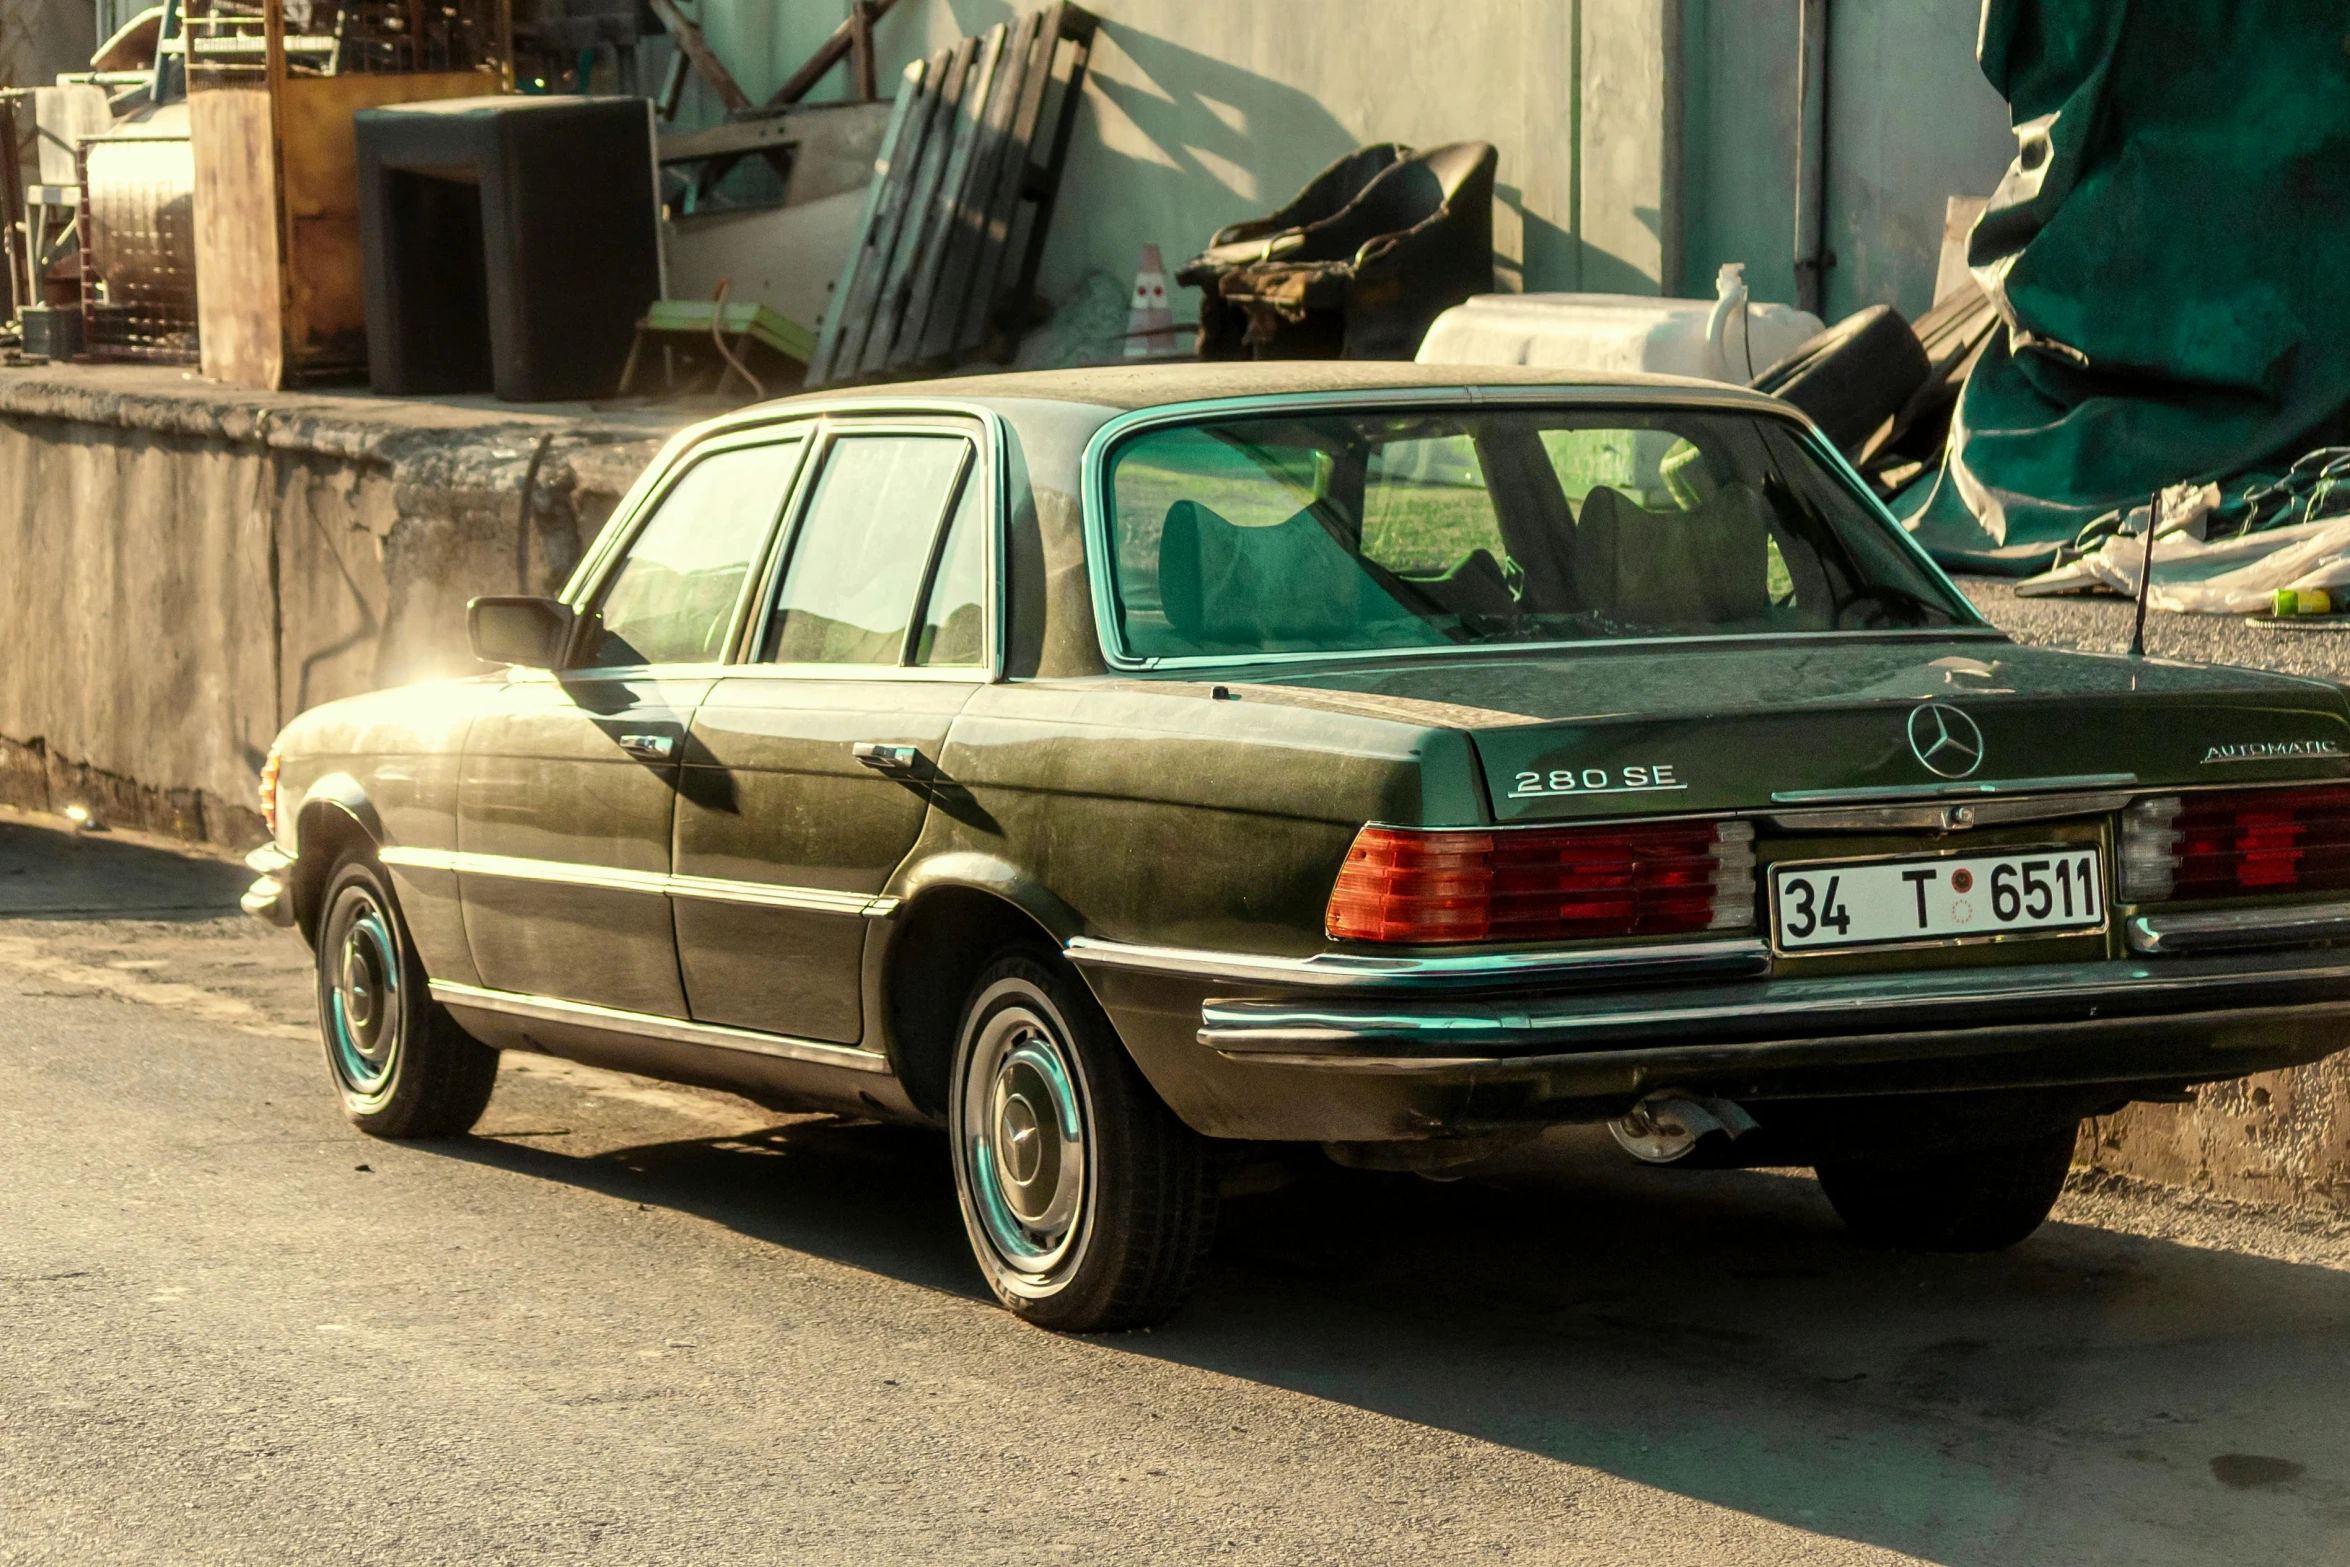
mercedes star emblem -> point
(1946, 740)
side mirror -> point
(527, 631)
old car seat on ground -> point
(1362, 281)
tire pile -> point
(1883, 389)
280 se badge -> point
(1865, 903)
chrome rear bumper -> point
(1936, 1012)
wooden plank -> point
(240, 331)
(696, 48)
(1078, 26)
(326, 293)
(1011, 179)
(828, 54)
(881, 342)
(861, 63)
(946, 211)
(863, 305)
(842, 339)
(727, 140)
(943, 335)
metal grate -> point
(227, 39)
(138, 249)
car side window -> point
(954, 622)
(858, 558)
(671, 599)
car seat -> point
(1363, 281)
(1708, 566)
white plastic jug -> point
(1726, 338)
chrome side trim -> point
(1948, 818)
(549, 1009)
(2234, 929)
(1952, 791)
(815, 900)
(701, 889)
(417, 859)
(1729, 957)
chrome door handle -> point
(887, 758)
(657, 748)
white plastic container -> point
(1726, 338)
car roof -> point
(1128, 387)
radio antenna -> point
(2145, 576)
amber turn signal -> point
(268, 791)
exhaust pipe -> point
(1665, 1126)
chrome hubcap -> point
(364, 998)
(1024, 1140)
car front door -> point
(568, 795)
(812, 764)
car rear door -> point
(568, 796)
(813, 762)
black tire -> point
(402, 1065)
(1089, 1205)
(1971, 1200)
(1854, 376)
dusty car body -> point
(1277, 847)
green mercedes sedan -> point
(1141, 771)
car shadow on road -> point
(2089, 1396)
(51, 873)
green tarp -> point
(2171, 252)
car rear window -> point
(1358, 531)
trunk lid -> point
(1628, 731)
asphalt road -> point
(632, 1323)
(628, 1323)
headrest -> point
(1293, 582)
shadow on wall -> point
(1171, 145)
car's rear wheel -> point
(1973, 1199)
(1089, 1205)
(402, 1065)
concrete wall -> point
(2279, 1137)
(39, 38)
(1643, 142)
(183, 568)
(1911, 121)
(1202, 112)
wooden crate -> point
(279, 296)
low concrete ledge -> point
(184, 566)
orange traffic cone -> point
(1150, 324)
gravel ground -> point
(2102, 625)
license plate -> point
(1869, 903)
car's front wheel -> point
(1088, 1204)
(402, 1065)
(1972, 1199)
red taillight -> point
(2237, 843)
(269, 792)
(1403, 884)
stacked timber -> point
(946, 253)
